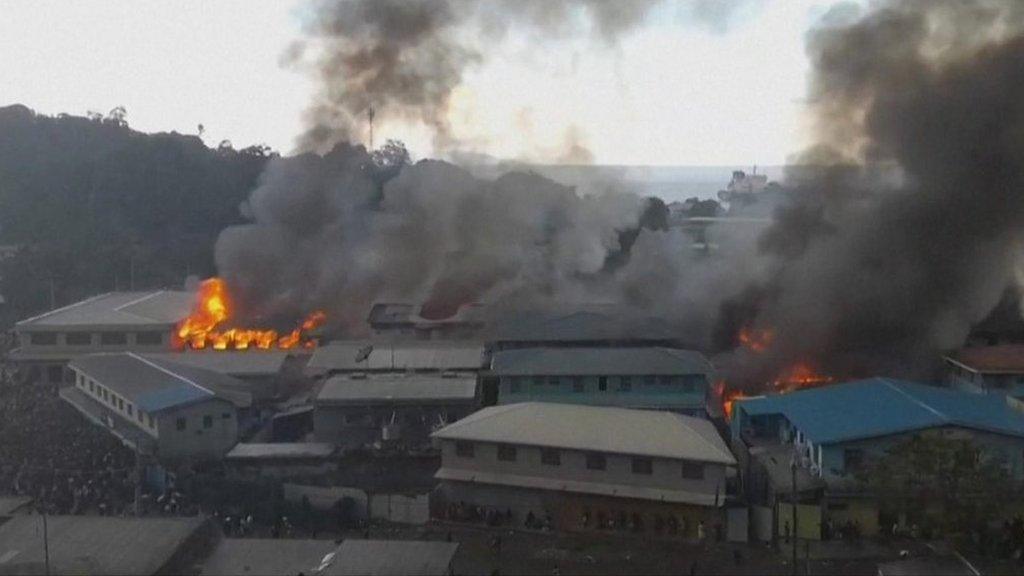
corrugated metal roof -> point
(392, 557)
(398, 356)
(92, 544)
(233, 363)
(277, 557)
(243, 451)
(594, 428)
(387, 388)
(883, 406)
(156, 385)
(599, 362)
(136, 309)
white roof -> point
(230, 362)
(594, 428)
(157, 309)
(390, 388)
(243, 451)
(397, 356)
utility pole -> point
(46, 544)
(792, 469)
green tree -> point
(946, 485)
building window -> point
(207, 421)
(853, 458)
(225, 416)
(180, 424)
(538, 380)
(643, 466)
(43, 338)
(149, 418)
(120, 403)
(650, 380)
(664, 380)
(464, 449)
(113, 338)
(693, 470)
(602, 383)
(688, 385)
(577, 384)
(131, 411)
(149, 338)
(515, 384)
(596, 461)
(506, 453)
(78, 338)
(91, 386)
(81, 381)
(550, 456)
(553, 380)
(140, 416)
(55, 373)
(625, 383)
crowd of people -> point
(53, 455)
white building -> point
(585, 468)
(112, 322)
(171, 411)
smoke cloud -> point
(900, 228)
(406, 58)
(910, 225)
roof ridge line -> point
(888, 382)
(62, 308)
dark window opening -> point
(207, 421)
(596, 462)
(650, 380)
(43, 338)
(180, 424)
(577, 384)
(625, 383)
(113, 338)
(643, 466)
(149, 338)
(464, 449)
(602, 383)
(78, 338)
(551, 457)
(506, 453)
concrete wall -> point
(681, 391)
(196, 440)
(666, 474)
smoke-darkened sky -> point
(689, 82)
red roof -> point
(1002, 359)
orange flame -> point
(756, 339)
(213, 308)
(800, 375)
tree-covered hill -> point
(96, 206)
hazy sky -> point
(671, 93)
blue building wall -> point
(684, 393)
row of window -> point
(594, 460)
(181, 424)
(114, 401)
(625, 383)
(86, 338)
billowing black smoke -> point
(910, 226)
(405, 58)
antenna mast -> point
(371, 113)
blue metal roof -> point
(884, 406)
